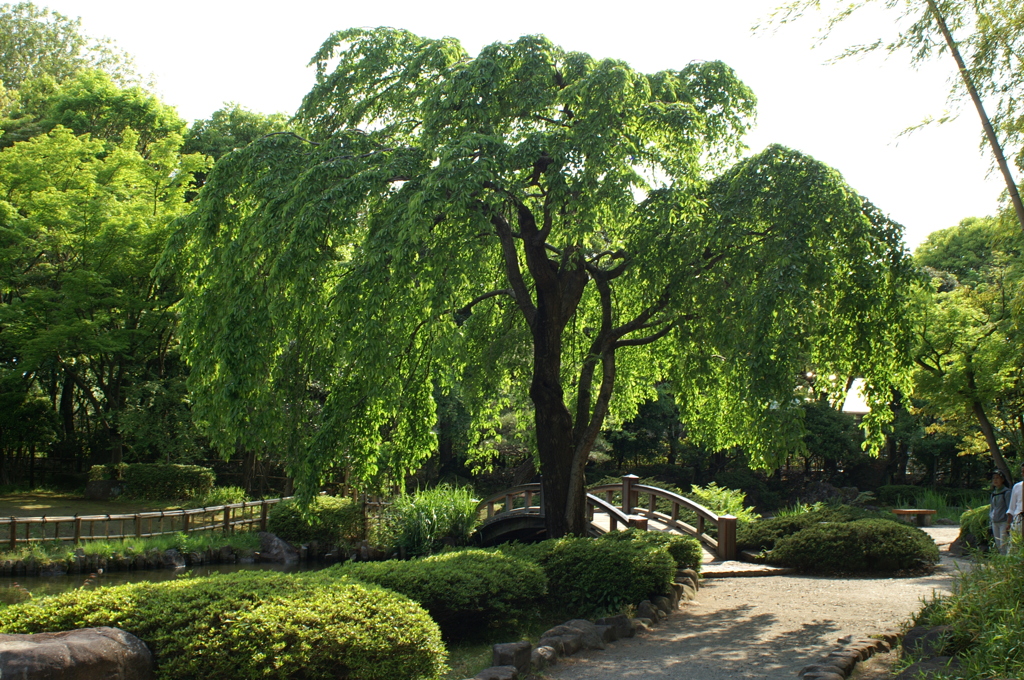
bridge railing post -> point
(627, 493)
(727, 537)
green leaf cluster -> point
(326, 520)
(429, 520)
(255, 625)
(464, 591)
(592, 577)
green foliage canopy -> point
(528, 220)
(969, 345)
(36, 41)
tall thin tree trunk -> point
(990, 133)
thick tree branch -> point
(512, 270)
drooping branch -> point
(647, 339)
(464, 312)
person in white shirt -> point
(1013, 513)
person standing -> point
(998, 509)
(1013, 512)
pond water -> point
(13, 589)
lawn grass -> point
(54, 503)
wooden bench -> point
(922, 516)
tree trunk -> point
(990, 133)
(564, 506)
(990, 439)
(67, 411)
(116, 447)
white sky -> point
(848, 115)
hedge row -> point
(255, 625)
(158, 481)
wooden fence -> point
(78, 528)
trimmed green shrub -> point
(463, 590)
(765, 533)
(591, 577)
(328, 520)
(255, 625)
(685, 550)
(429, 521)
(869, 545)
(164, 481)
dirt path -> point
(762, 627)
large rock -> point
(591, 637)
(274, 549)
(172, 559)
(87, 654)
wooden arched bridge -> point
(518, 514)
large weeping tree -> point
(528, 220)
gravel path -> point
(762, 627)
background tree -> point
(90, 103)
(38, 42)
(985, 39)
(82, 222)
(526, 220)
(969, 352)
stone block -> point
(498, 673)
(619, 622)
(512, 654)
(647, 610)
(542, 657)
(664, 604)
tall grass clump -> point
(425, 522)
(985, 614)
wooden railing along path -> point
(78, 528)
(526, 499)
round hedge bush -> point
(685, 550)
(591, 577)
(255, 625)
(463, 590)
(328, 521)
(868, 545)
(764, 534)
